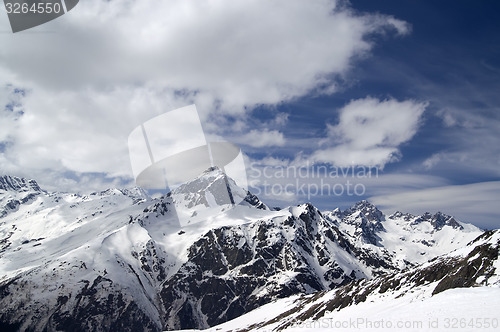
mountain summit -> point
(209, 194)
(13, 183)
(121, 260)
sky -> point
(394, 101)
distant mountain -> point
(25, 191)
(204, 254)
(13, 183)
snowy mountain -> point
(121, 260)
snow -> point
(298, 210)
(462, 309)
(429, 314)
(58, 225)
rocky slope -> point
(474, 265)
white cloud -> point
(470, 141)
(476, 203)
(280, 120)
(10, 111)
(468, 113)
(261, 138)
(107, 66)
(215, 47)
(84, 131)
(447, 116)
(370, 131)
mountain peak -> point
(212, 187)
(367, 209)
(210, 194)
(14, 183)
(213, 169)
(363, 204)
(219, 186)
(401, 215)
(439, 220)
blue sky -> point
(408, 87)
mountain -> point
(459, 290)
(25, 191)
(208, 195)
(204, 254)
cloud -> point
(107, 66)
(370, 131)
(280, 120)
(10, 111)
(468, 141)
(262, 138)
(210, 47)
(476, 203)
(83, 131)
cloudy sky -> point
(402, 93)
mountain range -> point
(121, 260)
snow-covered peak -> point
(223, 188)
(138, 194)
(364, 222)
(439, 220)
(15, 191)
(212, 187)
(13, 183)
(367, 209)
(408, 238)
(208, 195)
(401, 215)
